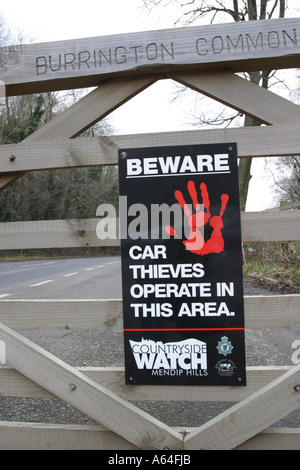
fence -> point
(271, 392)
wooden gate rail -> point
(271, 392)
(38, 436)
(260, 312)
(267, 141)
(229, 89)
(240, 422)
(85, 394)
(235, 92)
(252, 45)
(272, 386)
(244, 420)
(269, 226)
(14, 384)
(90, 109)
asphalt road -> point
(77, 278)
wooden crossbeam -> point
(256, 227)
(90, 109)
(270, 226)
(88, 396)
(221, 85)
(14, 384)
(227, 431)
(266, 141)
(242, 95)
(250, 416)
(238, 46)
(274, 438)
(106, 314)
(7, 179)
(43, 436)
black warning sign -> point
(182, 265)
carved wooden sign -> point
(253, 45)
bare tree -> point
(286, 175)
(194, 11)
(68, 193)
(285, 171)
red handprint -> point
(195, 242)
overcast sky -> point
(69, 19)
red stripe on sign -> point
(184, 329)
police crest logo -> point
(224, 346)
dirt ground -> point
(257, 285)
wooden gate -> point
(206, 59)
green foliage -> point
(276, 261)
(54, 194)
(16, 128)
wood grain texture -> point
(239, 46)
(83, 393)
(78, 314)
(52, 233)
(255, 226)
(242, 95)
(270, 226)
(260, 312)
(14, 384)
(90, 109)
(249, 417)
(42, 436)
(266, 141)
(87, 111)
(274, 439)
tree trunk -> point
(245, 163)
(244, 180)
